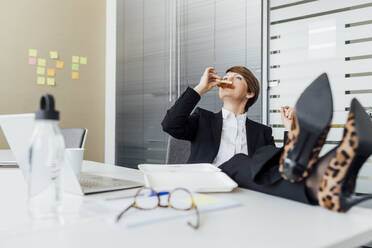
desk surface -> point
(261, 221)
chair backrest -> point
(178, 151)
(74, 137)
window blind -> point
(307, 38)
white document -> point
(194, 177)
(135, 217)
(202, 167)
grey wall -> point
(163, 46)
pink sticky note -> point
(32, 61)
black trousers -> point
(260, 172)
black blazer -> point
(258, 171)
(203, 129)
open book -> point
(195, 177)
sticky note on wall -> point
(32, 52)
(75, 67)
(40, 80)
(32, 61)
(53, 54)
(51, 72)
(41, 62)
(75, 59)
(40, 71)
(51, 81)
(83, 60)
(75, 75)
(59, 64)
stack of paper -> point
(202, 167)
(135, 217)
(194, 177)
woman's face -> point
(238, 90)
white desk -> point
(262, 221)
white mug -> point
(74, 158)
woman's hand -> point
(287, 114)
(207, 81)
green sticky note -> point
(32, 52)
(40, 70)
(51, 81)
(40, 80)
(41, 62)
(53, 54)
(75, 67)
(75, 59)
(83, 60)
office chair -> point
(178, 151)
(74, 137)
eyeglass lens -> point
(181, 199)
(146, 199)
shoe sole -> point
(338, 183)
(314, 110)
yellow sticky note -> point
(40, 71)
(83, 60)
(53, 54)
(41, 62)
(40, 80)
(51, 81)
(75, 75)
(75, 59)
(32, 52)
(75, 67)
(59, 64)
(51, 72)
(202, 200)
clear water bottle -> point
(46, 160)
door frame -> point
(265, 59)
(110, 81)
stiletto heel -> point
(348, 202)
(313, 115)
(338, 184)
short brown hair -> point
(252, 83)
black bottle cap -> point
(47, 110)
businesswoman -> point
(245, 150)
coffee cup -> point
(74, 159)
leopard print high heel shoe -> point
(338, 184)
(313, 115)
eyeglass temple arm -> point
(123, 212)
(197, 219)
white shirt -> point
(233, 137)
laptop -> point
(18, 130)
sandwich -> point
(224, 83)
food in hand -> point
(224, 83)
